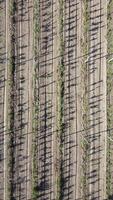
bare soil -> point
(55, 157)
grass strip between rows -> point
(11, 71)
(60, 97)
(85, 103)
(35, 117)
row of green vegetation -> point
(109, 181)
(60, 97)
(85, 103)
(10, 128)
(36, 36)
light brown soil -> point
(97, 100)
(23, 120)
(48, 152)
(22, 100)
(2, 97)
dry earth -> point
(63, 147)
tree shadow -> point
(110, 197)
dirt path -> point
(54, 98)
(23, 80)
(71, 140)
(30, 93)
(2, 98)
(46, 114)
(6, 98)
(103, 106)
(97, 99)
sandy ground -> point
(110, 105)
(46, 103)
(54, 97)
(47, 140)
(71, 143)
(22, 101)
(2, 96)
(97, 100)
(6, 96)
